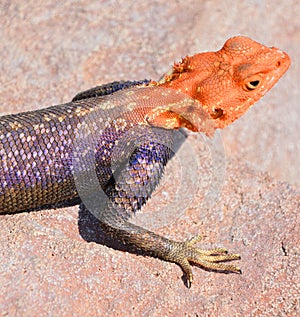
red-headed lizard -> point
(49, 156)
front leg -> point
(129, 189)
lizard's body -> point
(37, 149)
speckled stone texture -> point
(57, 262)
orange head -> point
(229, 81)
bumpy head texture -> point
(229, 81)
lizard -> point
(37, 147)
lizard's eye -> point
(252, 83)
(217, 113)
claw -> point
(188, 283)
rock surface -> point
(49, 52)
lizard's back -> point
(37, 148)
(36, 158)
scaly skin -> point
(38, 149)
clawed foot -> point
(184, 253)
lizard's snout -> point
(283, 61)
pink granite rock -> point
(52, 262)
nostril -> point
(278, 64)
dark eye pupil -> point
(254, 83)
